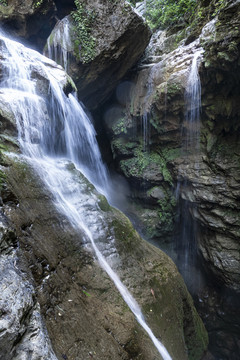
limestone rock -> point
(119, 36)
(212, 173)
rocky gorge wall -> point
(58, 302)
(146, 126)
(208, 179)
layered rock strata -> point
(208, 180)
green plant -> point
(37, 3)
(219, 5)
(162, 13)
(119, 126)
(85, 43)
(86, 293)
(4, 2)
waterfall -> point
(147, 109)
(59, 43)
(56, 137)
(145, 130)
(187, 242)
(193, 104)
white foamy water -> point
(193, 103)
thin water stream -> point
(54, 133)
(186, 241)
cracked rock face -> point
(206, 177)
(22, 330)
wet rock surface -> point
(220, 312)
(205, 181)
(54, 278)
(22, 330)
(156, 97)
(115, 29)
(84, 313)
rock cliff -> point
(157, 161)
(59, 303)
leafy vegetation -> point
(4, 2)
(85, 43)
(219, 5)
(162, 13)
(37, 3)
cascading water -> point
(193, 104)
(187, 243)
(56, 137)
(59, 44)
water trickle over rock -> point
(55, 178)
(115, 29)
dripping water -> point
(187, 239)
(57, 137)
(146, 114)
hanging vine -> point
(85, 43)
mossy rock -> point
(149, 166)
(148, 273)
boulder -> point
(109, 42)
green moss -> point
(171, 154)
(2, 162)
(223, 56)
(103, 203)
(143, 162)
(85, 43)
(69, 86)
(166, 212)
(154, 118)
(173, 89)
(3, 147)
(125, 234)
(2, 179)
(123, 147)
(179, 37)
(195, 333)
